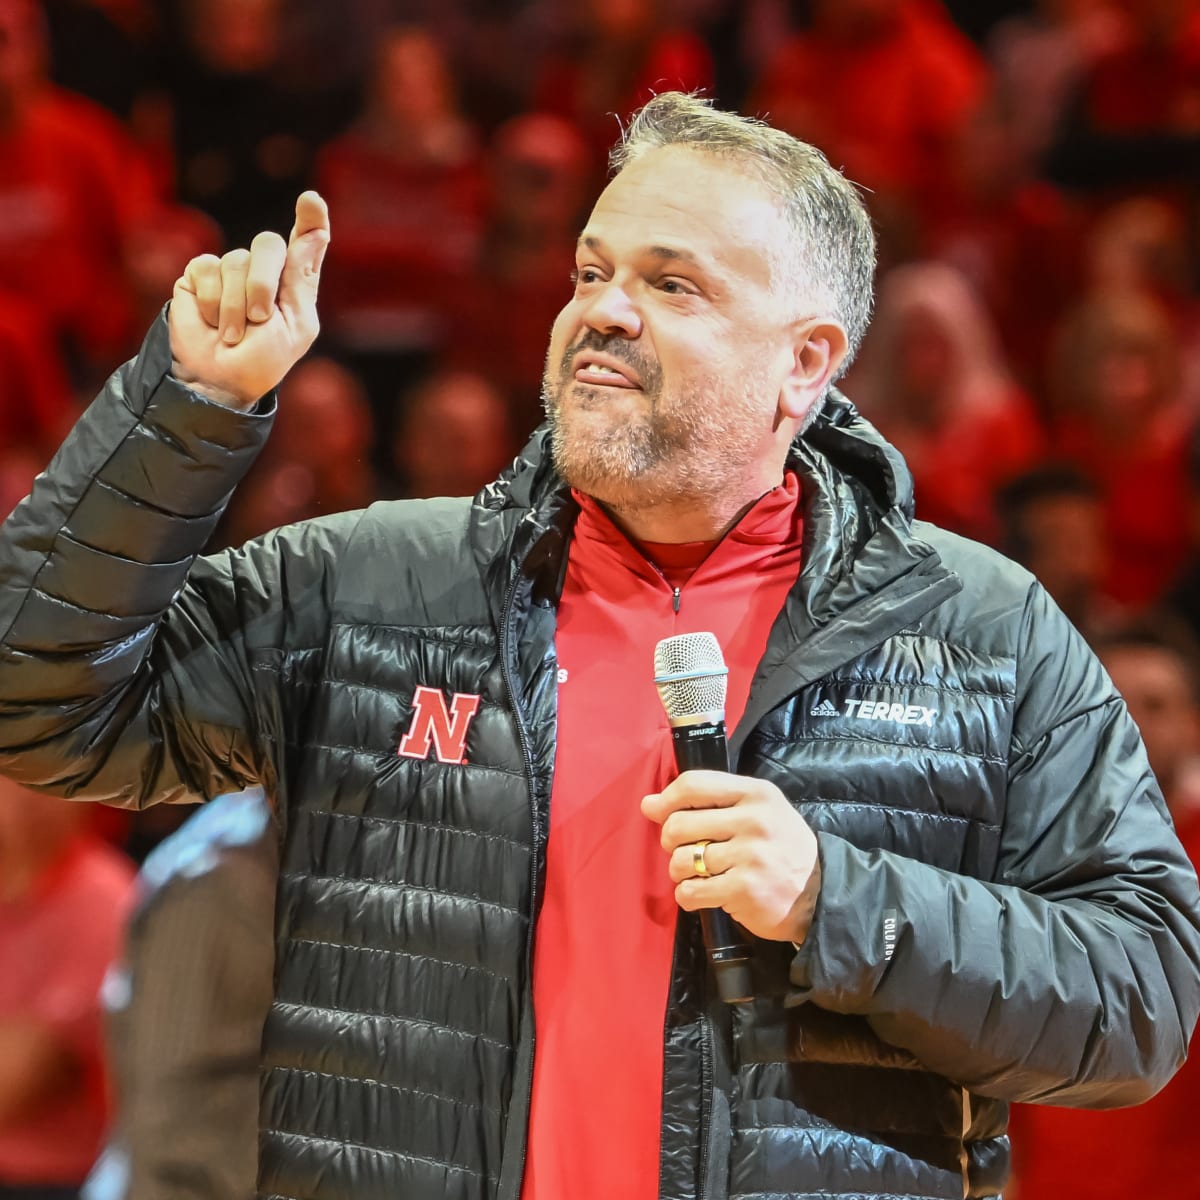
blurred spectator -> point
(1183, 599)
(538, 174)
(186, 1010)
(1052, 522)
(884, 87)
(250, 110)
(1016, 238)
(1142, 244)
(1119, 414)
(159, 249)
(72, 186)
(35, 401)
(318, 458)
(619, 53)
(454, 436)
(1148, 1150)
(1039, 58)
(1135, 116)
(406, 189)
(63, 894)
(932, 377)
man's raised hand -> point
(239, 323)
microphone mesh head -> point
(690, 675)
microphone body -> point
(699, 741)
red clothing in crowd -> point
(408, 228)
(72, 186)
(1142, 86)
(1122, 1154)
(1145, 492)
(884, 109)
(56, 945)
(606, 928)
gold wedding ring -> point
(699, 866)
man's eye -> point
(673, 287)
(584, 275)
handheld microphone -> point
(690, 675)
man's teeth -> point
(606, 370)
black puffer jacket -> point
(1005, 912)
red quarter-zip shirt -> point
(605, 932)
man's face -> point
(664, 371)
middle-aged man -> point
(957, 873)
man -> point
(958, 877)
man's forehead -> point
(683, 203)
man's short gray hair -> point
(835, 244)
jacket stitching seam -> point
(957, 818)
(914, 746)
(400, 884)
(424, 825)
(420, 1158)
(445, 962)
(387, 1087)
(892, 681)
(375, 752)
(428, 632)
(395, 1019)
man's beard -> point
(675, 451)
(616, 462)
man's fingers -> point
(268, 253)
(305, 254)
(696, 789)
(202, 277)
(232, 324)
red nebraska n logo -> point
(438, 728)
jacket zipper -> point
(527, 754)
(707, 1092)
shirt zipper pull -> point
(675, 598)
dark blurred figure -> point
(618, 54)
(72, 186)
(63, 896)
(1052, 522)
(186, 1007)
(454, 436)
(104, 49)
(884, 87)
(318, 458)
(1119, 414)
(406, 186)
(250, 110)
(1135, 116)
(932, 377)
(1150, 1150)
(539, 171)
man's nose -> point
(612, 312)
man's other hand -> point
(759, 852)
(239, 323)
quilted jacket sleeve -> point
(1073, 976)
(130, 671)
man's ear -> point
(820, 348)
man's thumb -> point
(305, 252)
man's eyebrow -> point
(663, 253)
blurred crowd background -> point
(1032, 167)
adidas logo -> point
(878, 710)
